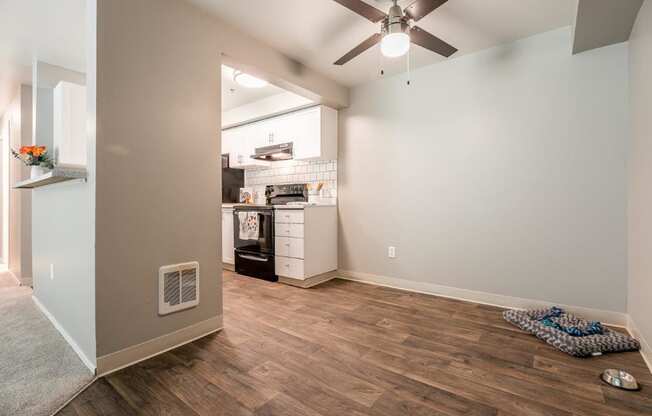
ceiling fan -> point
(397, 29)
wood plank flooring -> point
(346, 348)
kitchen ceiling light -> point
(394, 45)
(248, 81)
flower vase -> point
(36, 171)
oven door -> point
(261, 266)
(253, 230)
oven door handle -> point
(244, 256)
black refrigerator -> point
(232, 181)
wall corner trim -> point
(612, 318)
(646, 349)
(118, 360)
(87, 361)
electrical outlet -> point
(391, 252)
(51, 271)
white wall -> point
(640, 191)
(43, 120)
(61, 231)
(61, 235)
(4, 189)
(266, 107)
(502, 171)
(19, 115)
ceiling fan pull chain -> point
(409, 54)
(380, 62)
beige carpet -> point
(39, 371)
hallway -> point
(40, 371)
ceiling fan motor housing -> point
(395, 22)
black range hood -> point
(274, 153)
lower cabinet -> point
(227, 236)
(290, 267)
(305, 242)
(289, 247)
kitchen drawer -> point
(288, 230)
(289, 267)
(289, 216)
(289, 247)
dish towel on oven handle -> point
(249, 229)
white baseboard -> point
(13, 276)
(118, 360)
(609, 317)
(646, 350)
(87, 361)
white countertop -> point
(230, 206)
(303, 206)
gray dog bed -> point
(578, 346)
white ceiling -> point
(52, 31)
(314, 32)
(318, 32)
(235, 95)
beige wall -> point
(19, 114)
(154, 108)
(502, 172)
(157, 165)
(640, 191)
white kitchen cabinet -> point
(228, 140)
(289, 230)
(305, 245)
(290, 268)
(228, 255)
(289, 247)
(273, 131)
(312, 131)
(316, 134)
(69, 124)
(242, 143)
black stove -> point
(253, 229)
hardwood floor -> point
(346, 348)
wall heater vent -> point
(178, 287)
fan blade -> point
(432, 42)
(421, 8)
(363, 9)
(371, 41)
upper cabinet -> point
(316, 134)
(312, 131)
(69, 124)
(241, 143)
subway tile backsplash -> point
(292, 171)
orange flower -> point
(38, 151)
(26, 150)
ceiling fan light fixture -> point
(248, 81)
(394, 45)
